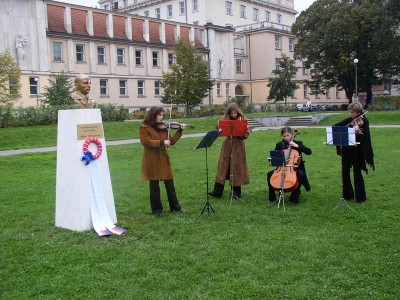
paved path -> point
(133, 141)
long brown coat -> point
(239, 170)
(156, 163)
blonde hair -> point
(356, 106)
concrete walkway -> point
(133, 141)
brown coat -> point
(156, 163)
(239, 170)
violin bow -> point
(170, 117)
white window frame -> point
(328, 93)
(278, 42)
(33, 86)
(155, 59)
(146, 13)
(57, 52)
(182, 8)
(157, 88)
(228, 8)
(219, 90)
(291, 44)
(267, 16)
(169, 11)
(243, 11)
(228, 89)
(101, 57)
(157, 13)
(304, 68)
(138, 57)
(140, 87)
(120, 56)
(103, 87)
(123, 88)
(256, 14)
(337, 92)
(305, 91)
(239, 65)
(171, 58)
(279, 18)
(195, 5)
(80, 53)
(277, 65)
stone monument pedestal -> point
(73, 176)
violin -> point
(357, 122)
(172, 125)
(285, 178)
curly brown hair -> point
(152, 114)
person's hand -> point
(167, 142)
(183, 126)
(293, 144)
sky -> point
(299, 5)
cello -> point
(284, 178)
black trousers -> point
(294, 196)
(219, 189)
(359, 186)
(155, 198)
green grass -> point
(252, 250)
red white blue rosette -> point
(87, 155)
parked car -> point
(302, 107)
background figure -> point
(82, 89)
(221, 64)
(19, 47)
(156, 163)
(287, 133)
(232, 149)
(308, 104)
(356, 156)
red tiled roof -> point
(169, 34)
(119, 28)
(78, 21)
(55, 17)
(137, 30)
(100, 25)
(154, 29)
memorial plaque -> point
(89, 130)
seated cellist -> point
(287, 135)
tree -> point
(58, 92)
(332, 33)
(188, 82)
(282, 85)
(9, 78)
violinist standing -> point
(232, 148)
(156, 164)
(287, 140)
(356, 157)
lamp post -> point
(355, 65)
(37, 91)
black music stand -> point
(232, 128)
(341, 136)
(206, 142)
(277, 159)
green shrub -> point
(386, 103)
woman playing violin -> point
(288, 141)
(356, 157)
(156, 164)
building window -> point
(337, 93)
(305, 91)
(328, 93)
(293, 94)
(158, 13)
(80, 53)
(169, 11)
(195, 5)
(120, 56)
(122, 88)
(219, 92)
(182, 8)
(228, 89)
(115, 5)
(291, 45)
(140, 89)
(155, 59)
(305, 70)
(103, 87)
(278, 18)
(146, 13)
(171, 59)
(33, 86)
(277, 64)
(255, 14)
(157, 88)
(278, 42)
(57, 51)
(12, 86)
(243, 11)
(228, 8)
(101, 55)
(267, 16)
(239, 66)
(138, 57)
(125, 3)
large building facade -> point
(125, 53)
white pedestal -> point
(73, 176)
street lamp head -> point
(355, 61)
(36, 79)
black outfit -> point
(301, 172)
(356, 157)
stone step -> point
(299, 121)
(254, 123)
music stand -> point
(341, 136)
(206, 142)
(232, 128)
(277, 159)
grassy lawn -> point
(252, 250)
